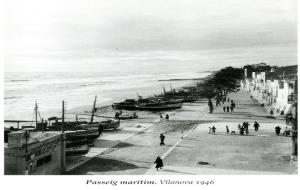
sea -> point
(78, 90)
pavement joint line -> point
(89, 158)
(174, 146)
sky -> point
(144, 35)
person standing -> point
(227, 108)
(162, 139)
(277, 130)
(167, 117)
(159, 163)
(213, 130)
(209, 132)
(242, 129)
(246, 128)
(224, 108)
(100, 130)
(117, 114)
(227, 129)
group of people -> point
(162, 117)
(286, 132)
(243, 129)
(229, 106)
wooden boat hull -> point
(118, 106)
(110, 124)
(159, 107)
(124, 117)
(77, 150)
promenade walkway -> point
(198, 152)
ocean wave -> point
(11, 97)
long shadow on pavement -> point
(102, 165)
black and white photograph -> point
(150, 88)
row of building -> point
(275, 93)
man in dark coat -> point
(159, 163)
(213, 130)
(162, 139)
(277, 130)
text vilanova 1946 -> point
(148, 182)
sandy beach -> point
(133, 148)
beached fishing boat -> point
(159, 106)
(110, 124)
(127, 116)
(76, 142)
(128, 104)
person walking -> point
(209, 132)
(277, 130)
(224, 108)
(159, 163)
(162, 139)
(213, 130)
(231, 107)
(256, 126)
(181, 134)
(227, 129)
(227, 108)
(167, 117)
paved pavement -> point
(133, 150)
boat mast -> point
(36, 114)
(171, 88)
(164, 90)
(93, 110)
(63, 117)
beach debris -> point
(203, 163)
